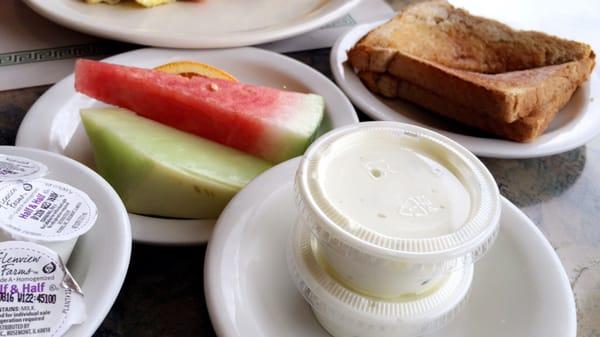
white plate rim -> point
(545, 145)
(44, 8)
(94, 320)
(151, 230)
(224, 325)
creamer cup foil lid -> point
(333, 156)
(38, 296)
(45, 210)
(14, 168)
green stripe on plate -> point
(62, 53)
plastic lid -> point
(392, 189)
(45, 210)
(406, 316)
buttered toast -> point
(475, 70)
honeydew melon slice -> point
(161, 171)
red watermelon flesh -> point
(272, 124)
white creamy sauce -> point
(381, 183)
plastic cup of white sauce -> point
(395, 210)
(346, 313)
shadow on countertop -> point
(14, 104)
(527, 182)
(162, 296)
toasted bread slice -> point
(438, 32)
(521, 130)
(504, 96)
(473, 60)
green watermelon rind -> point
(300, 131)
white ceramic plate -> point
(196, 24)
(100, 259)
(576, 124)
(519, 289)
(53, 122)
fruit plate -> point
(196, 24)
(576, 124)
(519, 288)
(53, 122)
(100, 259)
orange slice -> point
(190, 69)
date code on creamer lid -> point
(45, 210)
(38, 296)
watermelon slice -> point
(158, 170)
(272, 124)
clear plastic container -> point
(395, 208)
(346, 313)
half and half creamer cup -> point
(15, 168)
(395, 208)
(38, 296)
(45, 211)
